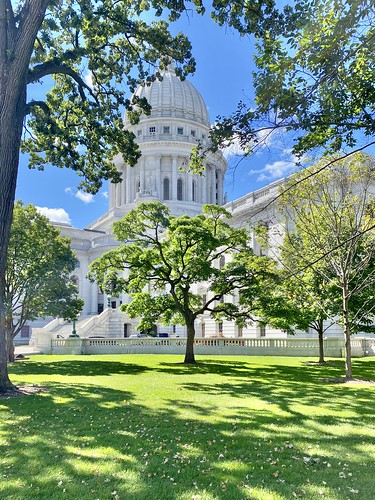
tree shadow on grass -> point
(206, 366)
(85, 441)
(289, 387)
(77, 368)
(247, 369)
(364, 368)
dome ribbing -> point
(175, 98)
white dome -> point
(172, 97)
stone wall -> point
(333, 347)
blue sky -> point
(223, 77)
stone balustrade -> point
(333, 346)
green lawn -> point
(147, 427)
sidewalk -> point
(25, 350)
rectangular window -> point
(25, 332)
(166, 130)
(192, 132)
(152, 130)
(262, 329)
(139, 133)
(180, 130)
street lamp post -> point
(74, 333)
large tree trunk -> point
(11, 355)
(346, 324)
(321, 341)
(189, 354)
(10, 341)
(16, 45)
(10, 136)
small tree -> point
(172, 256)
(331, 212)
(300, 299)
(37, 280)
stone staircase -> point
(108, 324)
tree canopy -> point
(314, 77)
(39, 264)
(302, 298)
(164, 262)
(95, 52)
(333, 238)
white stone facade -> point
(179, 118)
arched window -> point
(179, 189)
(75, 281)
(166, 189)
(203, 329)
(194, 190)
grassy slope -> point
(147, 427)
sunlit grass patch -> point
(146, 426)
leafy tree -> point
(315, 76)
(301, 298)
(333, 230)
(37, 279)
(92, 50)
(171, 256)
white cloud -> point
(80, 195)
(105, 194)
(280, 168)
(276, 170)
(265, 139)
(85, 197)
(233, 149)
(55, 214)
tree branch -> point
(41, 104)
(53, 68)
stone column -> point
(220, 182)
(142, 174)
(112, 195)
(94, 299)
(118, 194)
(189, 180)
(127, 183)
(203, 181)
(213, 185)
(158, 176)
(131, 182)
(173, 186)
(208, 185)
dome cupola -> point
(177, 122)
(173, 98)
